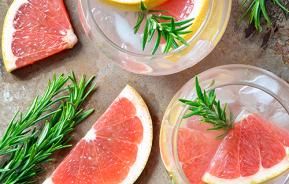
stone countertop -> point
(18, 89)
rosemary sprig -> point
(19, 127)
(209, 109)
(255, 10)
(162, 26)
(25, 161)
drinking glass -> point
(111, 30)
(243, 88)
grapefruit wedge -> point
(254, 151)
(116, 148)
(196, 147)
(34, 30)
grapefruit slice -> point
(254, 151)
(133, 5)
(34, 30)
(183, 9)
(115, 150)
(196, 147)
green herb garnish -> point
(162, 26)
(25, 146)
(209, 109)
(255, 10)
(39, 110)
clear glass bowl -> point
(242, 87)
(112, 32)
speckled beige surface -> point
(18, 89)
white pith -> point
(90, 135)
(8, 30)
(70, 38)
(48, 181)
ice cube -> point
(280, 117)
(256, 95)
(125, 31)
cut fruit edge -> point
(264, 174)
(9, 59)
(144, 148)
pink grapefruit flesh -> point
(179, 9)
(196, 147)
(115, 150)
(254, 151)
(34, 30)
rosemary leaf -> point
(208, 108)
(256, 10)
(18, 128)
(162, 26)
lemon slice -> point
(199, 14)
(133, 5)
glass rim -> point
(177, 124)
(116, 46)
